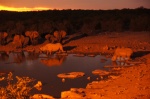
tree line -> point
(72, 21)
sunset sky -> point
(30, 5)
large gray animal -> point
(49, 48)
(122, 53)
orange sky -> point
(22, 8)
(31, 5)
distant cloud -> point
(22, 8)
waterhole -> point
(46, 69)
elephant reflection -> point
(18, 57)
(32, 56)
(4, 56)
(56, 61)
(3, 38)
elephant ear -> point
(26, 41)
(35, 34)
(22, 38)
(28, 33)
(63, 33)
(5, 34)
(56, 34)
(16, 38)
(47, 36)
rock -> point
(70, 95)
(100, 72)
(113, 77)
(74, 93)
(63, 80)
(2, 78)
(79, 55)
(38, 86)
(41, 96)
(71, 75)
(88, 78)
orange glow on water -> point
(23, 8)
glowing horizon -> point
(21, 9)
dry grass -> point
(16, 88)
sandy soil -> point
(131, 83)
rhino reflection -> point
(55, 61)
(119, 63)
(4, 56)
(19, 57)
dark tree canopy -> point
(73, 21)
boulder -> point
(100, 72)
(41, 96)
(71, 75)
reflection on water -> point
(120, 63)
(18, 57)
(45, 69)
(4, 56)
(54, 61)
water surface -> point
(45, 69)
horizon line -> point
(25, 9)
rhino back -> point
(52, 47)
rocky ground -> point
(131, 83)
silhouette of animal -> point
(59, 35)
(122, 53)
(34, 36)
(50, 38)
(20, 41)
(3, 36)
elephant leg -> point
(3, 42)
(26, 41)
(34, 41)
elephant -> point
(123, 53)
(3, 38)
(60, 35)
(50, 38)
(34, 36)
(20, 41)
(49, 48)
